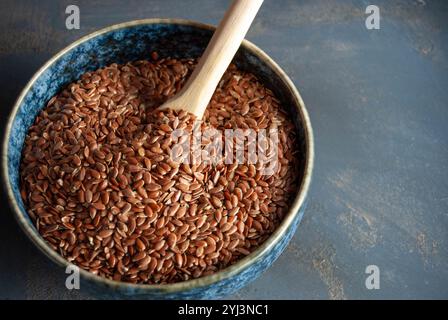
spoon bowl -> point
(133, 41)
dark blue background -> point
(377, 101)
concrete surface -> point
(378, 104)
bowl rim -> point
(201, 282)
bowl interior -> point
(120, 45)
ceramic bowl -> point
(132, 41)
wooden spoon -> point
(197, 92)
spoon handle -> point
(197, 92)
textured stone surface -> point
(378, 104)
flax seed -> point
(98, 181)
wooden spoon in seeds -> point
(197, 92)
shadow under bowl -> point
(133, 41)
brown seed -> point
(173, 210)
(226, 226)
(152, 265)
(144, 263)
(105, 197)
(160, 223)
(141, 152)
(88, 196)
(154, 55)
(76, 160)
(172, 239)
(142, 192)
(95, 174)
(99, 154)
(184, 246)
(140, 245)
(216, 202)
(183, 187)
(184, 228)
(199, 252)
(201, 221)
(234, 211)
(240, 226)
(159, 245)
(139, 256)
(179, 259)
(86, 151)
(153, 187)
(232, 230)
(105, 233)
(134, 168)
(126, 208)
(99, 206)
(81, 196)
(180, 213)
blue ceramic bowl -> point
(132, 41)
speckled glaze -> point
(132, 41)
